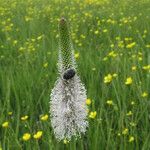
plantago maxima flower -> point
(68, 97)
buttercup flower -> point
(144, 94)
(68, 98)
(38, 135)
(115, 75)
(45, 65)
(10, 113)
(129, 113)
(76, 55)
(128, 81)
(132, 103)
(44, 117)
(66, 141)
(131, 139)
(109, 102)
(23, 118)
(26, 136)
(131, 45)
(134, 68)
(93, 114)
(125, 131)
(5, 124)
(88, 101)
(108, 78)
(147, 67)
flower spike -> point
(68, 97)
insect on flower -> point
(68, 74)
(68, 108)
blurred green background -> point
(111, 39)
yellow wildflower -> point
(40, 37)
(23, 118)
(93, 69)
(10, 113)
(120, 44)
(115, 75)
(38, 135)
(128, 81)
(112, 54)
(88, 101)
(26, 136)
(132, 124)
(15, 42)
(125, 131)
(76, 41)
(145, 31)
(76, 55)
(44, 117)
(127, 39)
(109, 102)
(27, 18)
(112, 45)
(21, 49)
(108, 78)
(147, 46)
(93, 114)
(146, 67)
(118, 38)
(119, 134)
(105, 58)
(131, 139)
(134, 68)
(5, 124)
(33, 40)
(45, 65)
(82, 36)
(80, 44)
(133, 56)
(144, 94)
(66, 141)
(129, 113)
(140, 53)
(140, 58)
(131, 45)
(96, 32)
(132, 103)
(105, 30)
(144, 36)
(125, 21)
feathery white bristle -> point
(68, 108)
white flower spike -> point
(68, 97)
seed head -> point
(68, 97)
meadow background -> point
(111, 40)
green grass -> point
(28, 71)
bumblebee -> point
(68, 74)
